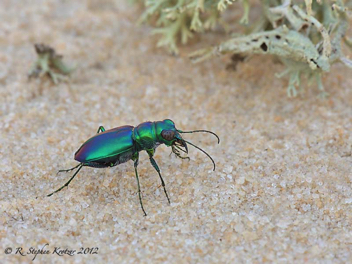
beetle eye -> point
(168, 134)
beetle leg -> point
(156, 167)
(68, 169)
(136, 159)
(67, 183)
(101, 129)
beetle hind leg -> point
(75, 167)
(67, 183)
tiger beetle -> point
(118, 145)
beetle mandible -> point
(118, 145)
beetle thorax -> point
(145, 135)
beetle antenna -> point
(203, 152)
(201, 130)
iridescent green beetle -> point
(121, 144)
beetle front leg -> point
(156, 167)
(136, 159)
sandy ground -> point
(282, 188)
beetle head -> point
(174, 139)
(170, 136)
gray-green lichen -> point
(180, 19)
(306, 36)
(48, 62)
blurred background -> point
(282, 188)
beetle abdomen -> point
(111, 161)
(112, 146)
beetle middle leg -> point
(156, 167)
(136, 159)
(67, 183)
